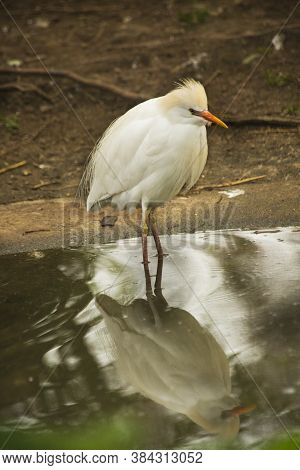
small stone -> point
(44, 166)
(44, 108)
(42, 23)
(108, 221)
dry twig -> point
(25, 87)
(102, 84)
(229, 183)
(96, 82)
(262, 121)
(42, 184)
(12, 167)
(36, 230)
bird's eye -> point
(192, 110)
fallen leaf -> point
(250, 58)
(14, 62)
(277, 41)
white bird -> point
(148, 155)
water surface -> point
(82, 343)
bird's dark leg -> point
(152, 299)
(149, 293)
(153, 227)
(145, 254)
(158, 279)
(145, 245)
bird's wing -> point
(114, 166)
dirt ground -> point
(143, 48)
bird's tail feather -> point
(96, 204)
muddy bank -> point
(144, 49)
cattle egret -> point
(167, 356)
(150, 154)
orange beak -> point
(210, 117)
(240, 410)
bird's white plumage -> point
(152, 152)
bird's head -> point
(189, 101)
(220, 417)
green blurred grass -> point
(122, 434)
(283, 443)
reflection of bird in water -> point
(170, 358)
